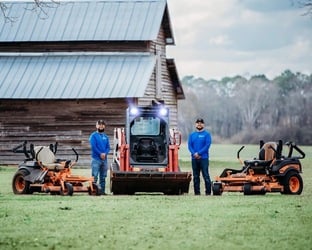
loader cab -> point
(148, 136)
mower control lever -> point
(77, 156)
(238, 152)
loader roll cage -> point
(148, 136)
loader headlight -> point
(163, 111)
(134, 111)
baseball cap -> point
(100, 122)
(199, 120)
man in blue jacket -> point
(198, 144)
(100, 147)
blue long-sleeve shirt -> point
(99, 144)
(199, 142)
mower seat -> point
(266, 156)
(46, 158)
(267, 152)
(257, 163)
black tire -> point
(261, 192)
(247, 189)
(217, 188)
(19, 184)
(68, 189)
(293, 183)
(96, 190)
(170, 192)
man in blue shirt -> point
(198, 144)
(100, 147)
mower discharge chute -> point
(145, 157)
(42, 172)
(271, 172)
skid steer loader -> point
(145, 157)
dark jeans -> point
(99, 172)
(201, 165)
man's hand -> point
(103, 156)
(197, 156)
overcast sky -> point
(218, 38)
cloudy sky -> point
(218, 38)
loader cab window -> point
(148, 142)
(146, 126)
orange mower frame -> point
(270, 172)
(42, 172)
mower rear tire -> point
(96, 189)
(293, 183)
(19, 184)
(68, 189)
(217, 188)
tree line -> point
(240, 110)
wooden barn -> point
(66, 64)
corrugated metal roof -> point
(111, 20)
(74, 75)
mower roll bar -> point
(30, 154)
(293, 146)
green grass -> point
(230, 221)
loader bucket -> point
(169, 183)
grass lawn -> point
(230, 221)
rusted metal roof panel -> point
(110, 20)
(74, 75)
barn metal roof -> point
(64, 20)
(74, 75)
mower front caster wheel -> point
(247, 189)
(217, 188)
(96, 189)
(68, 189)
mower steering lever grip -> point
(77, 156)
(238, 152)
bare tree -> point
(252, 98)
(306, 5)
(39, 6)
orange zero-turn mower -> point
(270, 172)
(42, 172)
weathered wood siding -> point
(168, 93)
(69, 123)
